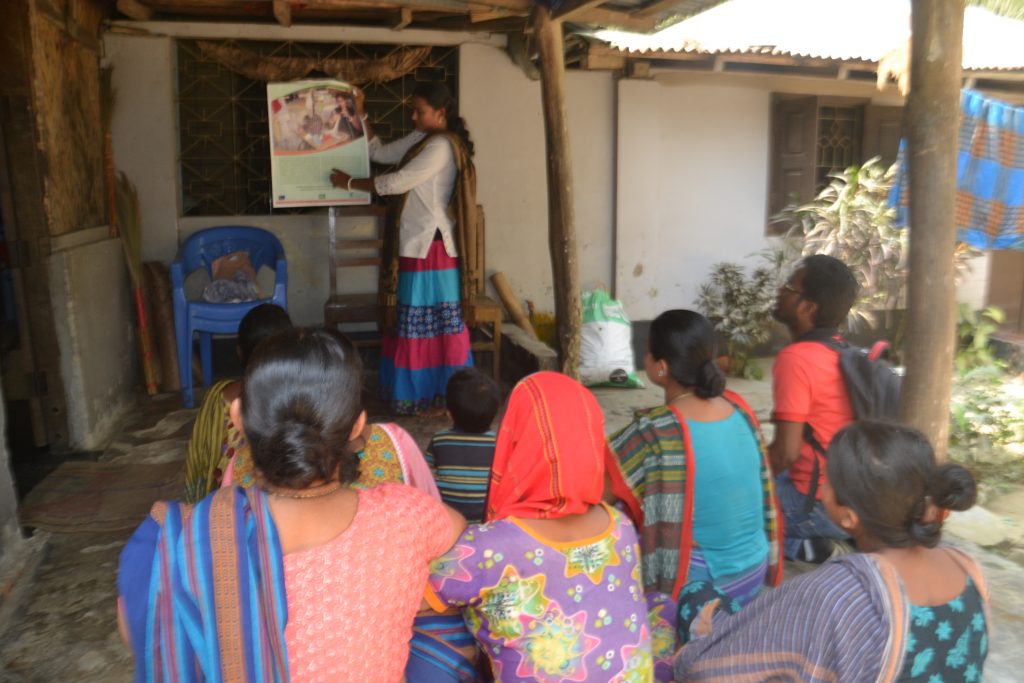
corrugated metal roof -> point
(838, 30)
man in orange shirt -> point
(810, 400)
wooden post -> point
(134, 9)
(561, 212)
(933, 110)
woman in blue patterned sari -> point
(904, 608)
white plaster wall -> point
(734, 110)
(692, 191)
(502, 108)
(503, 111)
(974, 288)
(94, 319)
(145, 134)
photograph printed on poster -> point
(314, 127)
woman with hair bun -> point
(902, 608)
(301, 577)
(693, 473)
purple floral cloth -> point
(555, 612)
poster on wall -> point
(314, 127)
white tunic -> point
(429, 178)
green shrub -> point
(987, 425)
(740, 307)
(974, 330)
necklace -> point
(679, 396)
(315, 492)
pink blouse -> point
(351, 601)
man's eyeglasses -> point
(790, 288)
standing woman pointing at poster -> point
(436, 220)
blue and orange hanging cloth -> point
(989, 175)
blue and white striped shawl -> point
(202, 591)
(847, 621)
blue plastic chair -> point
(200, 251)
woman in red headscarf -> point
(550, 584)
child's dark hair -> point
(830, 284)
(261, 322)
(438, 96)
(886, 473)
(472, 398)
(301, 397)
(685, 340)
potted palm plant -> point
(740, 308)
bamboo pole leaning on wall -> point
(131, 243)
(511, 301)
(932, 119)
(561, 213)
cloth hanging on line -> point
(989, 176)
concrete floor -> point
(66, 629)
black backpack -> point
(872, 383)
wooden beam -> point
(484, 17)
(561, 211)
(602, 61)
(607, 17)
(932, 120)
(133, 9)
(404, 18)
(479, 13)
(479, 10)
(718, 62)
(571, 8)
(522, 6)
(64, 21)
(283, 12)
(656, 7)
(787, 60)
(638, 68)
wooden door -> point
(1006, 287)
(794, 141)
(882, 128)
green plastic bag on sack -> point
(606, 345)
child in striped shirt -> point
(461, 456)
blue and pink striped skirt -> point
(431, 341)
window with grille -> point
(224, 150)
(812, 137)
(839, 140)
